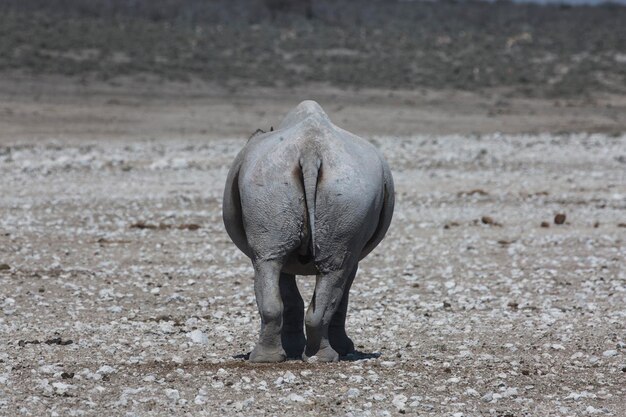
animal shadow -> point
(351, 357)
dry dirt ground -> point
(121, 294)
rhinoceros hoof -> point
(262, 354)
(325, 354)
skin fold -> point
(308, 198)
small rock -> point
(545, 224)
(510, 392)
(471, 392)
(399, 401)
(296, 398)
(172, 394)
(61, 388)
(559, 218)
(450, 225)
(487, 220)
(59, 341)
(4, 267)
(289, 377)
(609, 353)
(67, 375)
(198, 337)
(189, 226)
(488, 397)
(22, 343)
(105, 370)
(353, 393)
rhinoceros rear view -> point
(306, 199)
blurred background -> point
(493, 60)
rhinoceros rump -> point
(306, 199)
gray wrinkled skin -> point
(306, 199)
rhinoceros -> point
(308, 198)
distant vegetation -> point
(536, 50)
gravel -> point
(469, 320)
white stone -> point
(296, 398)
(289, 377)
(399, 401)
(105, 370)
(352, 393)
(61, 387)
(172, 394)
(198, 337)
(471, 392)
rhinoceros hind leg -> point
(266, 286)
(339, 340)
(292, 334)
(329, 290)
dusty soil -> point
(121, 294)
(48, 107)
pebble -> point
(198, 337)
(105, 370)
(399, 401)
(353, 393)
(509, 392)
(296, 398)
(487, 220)
(289, 377)
(471, 392)
(488, 397)
(172, 394)
(61, 388)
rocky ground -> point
(500, 289)
(121, 294)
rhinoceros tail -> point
(310, 176)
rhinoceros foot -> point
(262, 354)
(325, 354)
